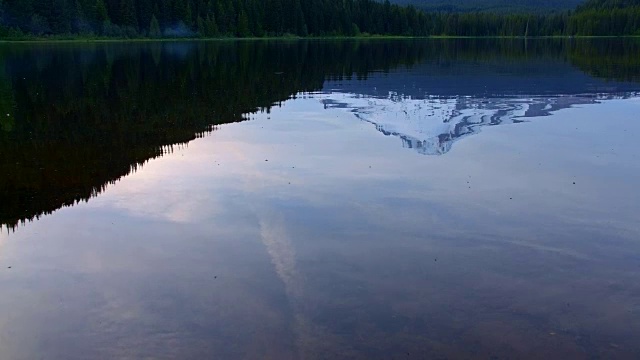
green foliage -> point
(499, 6)
(246, 18)
(607, 4)
(243, 25)
(214, 17)
(154, 28)
(101, 12)
(210, 26)
(39, 25)
(128, 14)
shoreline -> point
(293, 38)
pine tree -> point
(101, 12)
(243, 25)
(154, 28)
(145, 11)
(201, 26)
(179, 11)
(303, 17)
(60, 16)
(211, 27)
(128, 13)
(21, 10)
(188, 17)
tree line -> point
(259, 18)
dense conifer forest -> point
(500, 6)
(260, 18)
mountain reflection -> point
(431, 126)
(76, 118)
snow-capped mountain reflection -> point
(432, 125)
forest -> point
(20, 19)
(501, 6)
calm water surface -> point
(320, 200)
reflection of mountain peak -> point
(431, 125)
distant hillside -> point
(610, 17)
(501, 6)
(608, 4)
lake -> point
(371, 199)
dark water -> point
(320, 200)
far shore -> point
(76, 39)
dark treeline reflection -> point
(612, 60)
(75, 118)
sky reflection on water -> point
(308, 233)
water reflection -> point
(306, 233)
(431, 126)
(77, 118)
(437, 103)
(80, 117)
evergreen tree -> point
(202, 30)
(304, 17)
(101, 12)
(145, 11)
(179, 11)
(154, 28)
(128, 13)
(243, 25)
(211, 27)
(188, 17)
